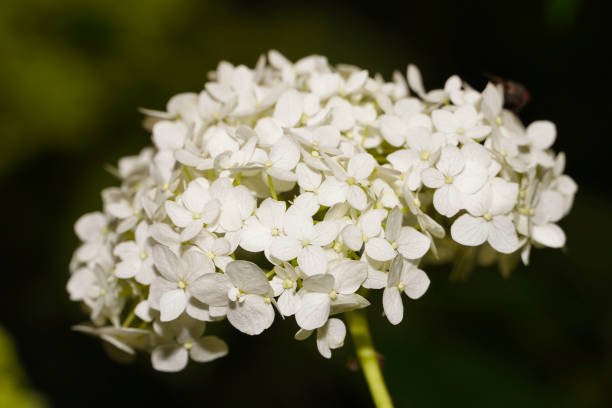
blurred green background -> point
(72, 74)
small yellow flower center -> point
(461, 131)
(305, 242)
(487, 216)
(364, 238)
(315, 153)
(350, 181)
(448, 179)
(394, 244)
(136, 213)
(197, 216)
(337, 247)
(416, 202)
(401, 286)
(267, 163)
(349, 135)
(188, 345)
(275, 232)
(303, 118)
(210, 254)
(499, 121)
(503, 153)
(165, 187)
(333, 295)
(287, 283)
(181, 284)
(103, 292)
(267, 300)
(143, 255)
(425, 155)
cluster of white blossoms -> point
(292, 189)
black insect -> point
(516, 95)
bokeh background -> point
(72, 74)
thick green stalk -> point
(360, 331)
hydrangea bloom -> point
(337, 181)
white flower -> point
(284, 284)
(171, 292)
(194, 208)
(136, 259)
(488, 220)
(541, 135)
(455, 176)
(347, 185)
(332, 292)
(329, 337)
(462, 125)
(302, 239)
(244, 290)
(92, 229)
(262, 228)
(335, 179)
(403, 277)
(180, 339)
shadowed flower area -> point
(72, 76)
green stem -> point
(272, 191)
(128, 320)
(360, 331)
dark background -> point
(72, 74)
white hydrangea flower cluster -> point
(333, 181)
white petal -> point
(167, 263)
(211, 289)
(169, 358)
(285, 248)
(319, 283)
(502, 235)
(332, 191)
(249, 278)
(172, 304)
(432, 178)
(208, 348)
(472, 178)
(178, 214)
(352, 237)
(469, 230)
(255, 236)
(416, 283)
(549, 235)
(349, 275)
(288, 302)
(325, 233)
(312, 260)
(346, 302)
(451, 161)
(308, 178)
(542, 134)
(356, 197)
(252, 315)
(313, 311)
(394, 224)
(361, 166)
(412, 244)
(447, 200)
(288, 110)
(379, 249)
(285, 154)
(392, 304)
